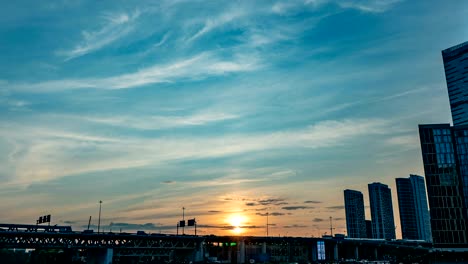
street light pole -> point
(267, 224)
(99, 219)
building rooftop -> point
(448, 50)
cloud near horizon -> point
(60, 145)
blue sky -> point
(229, 108)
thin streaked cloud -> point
(216, 22)
(115, 26)
(56, 148)
(194, 68)
(368, 6)
(371, 6)
(162, 122)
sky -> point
(230, 109)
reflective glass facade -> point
(444, 183)
(412, 204)
(456, 74)
(408, 223)
(461, 143)
(355, 218)
(383, 223)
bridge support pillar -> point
(199, 253)
(100, 256)
(314, 252)
(109, 255)
(335, 252)
(241, 252)
(356, 252)
(376, 254)
(264, 248)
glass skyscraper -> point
(355, 218)
(456, 74)
(412, 204)
(445, 156)
(383, 223)
(445, 164)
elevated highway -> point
(159, 248)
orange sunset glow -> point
(237, 221)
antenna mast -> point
(89, 222)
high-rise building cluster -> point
(414, 215)
(445, 157)
(382, 223)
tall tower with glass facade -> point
(383, 223)
(456, 65)
(355, 218)
(446, 180)
(412, 204)
(445, 157)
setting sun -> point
(237, 230)
(237, 221)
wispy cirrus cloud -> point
(196, 67)
(225, 181)
(115, 26)
(162, 41)
(404, 141)
(369, 6)
(216, 22)
(162, 122)
(49, 153)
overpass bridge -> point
(161, 248)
